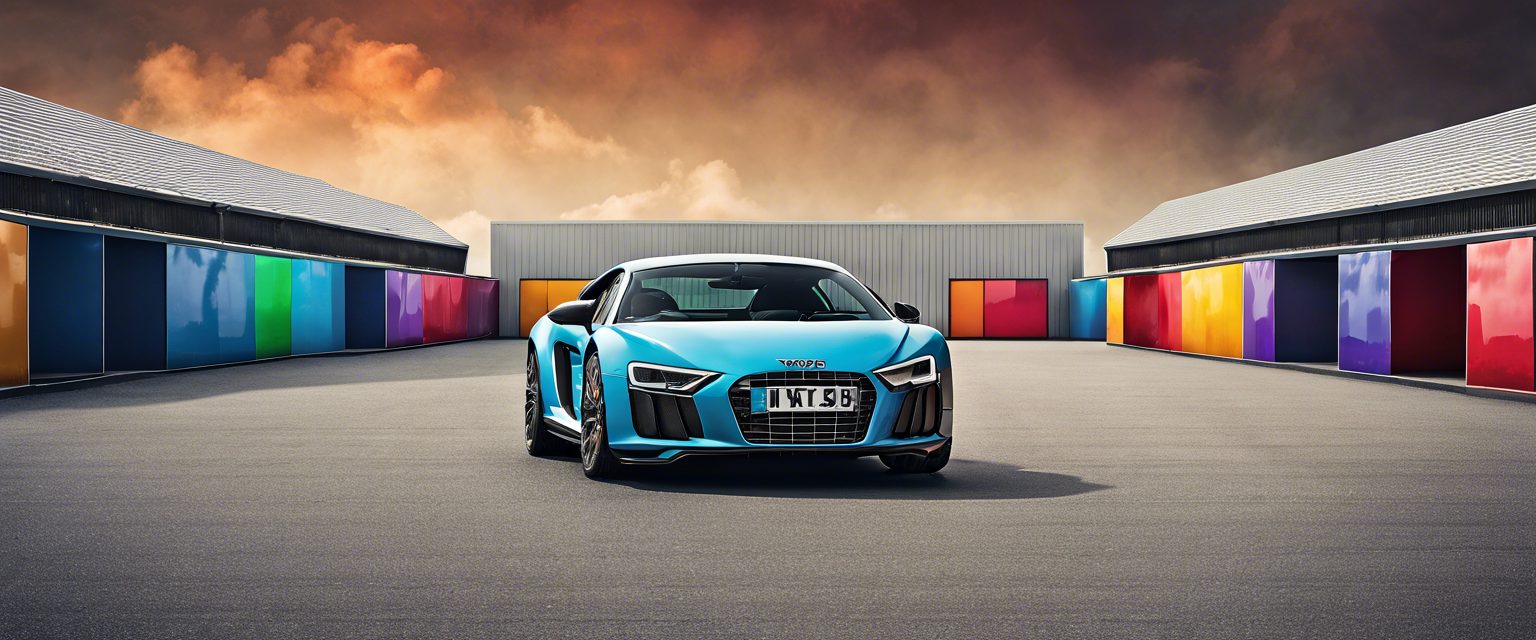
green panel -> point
(274, 301)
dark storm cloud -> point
(1090, 110)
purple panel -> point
(1365, 312)
(483, 305)
(1259, 310)
(402, 309)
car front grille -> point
(811, 427)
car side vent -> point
(665, 416)
(920, 413)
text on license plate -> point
(770, 399)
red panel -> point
(1140, 311)
(1500, 350)
(1429, 302)
(1170, 311)
(1014, 308)
(444, 309)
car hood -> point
(750, 347)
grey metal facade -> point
(912, 262)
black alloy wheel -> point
(597, 460)
(536, 436)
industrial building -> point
(969, 279)
(125, 251)
(1412, 258)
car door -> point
(570, 342)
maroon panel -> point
(444, 309)
(1014, 308)
(1429, 301)
(1170, 311)
(484, 304)
(1140, 309)
(1500, 351)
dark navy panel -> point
(64, 273)
(135, 305)
(1306, 310)
(365, 308)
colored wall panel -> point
(1170, 311)
(1365, 312)
(445, 310)
(274, 306)
(1014, 309)
(319, 318)
(563, 291)
(965, 309)
(1212, 311)
(13, 304)
(1141, 310)
(1259, 310)
(210, 306)
(64, 300)
(134, 315)
(533, 298)
(484, 303)
(402, 309)
(1429, 306)
(1114, 310)
(1500, 348)
(1089, 309)
(365, 294)
(1307, 310)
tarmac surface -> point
(1095, 492)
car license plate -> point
(776, 399)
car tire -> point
(919, 463)
(597, 460)
(536, 436)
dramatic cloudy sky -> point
(469, 111)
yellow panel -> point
(13, 304)
(532, 298)
(1213, 311)
(563, 291)
(1115, 311)
(965, 308)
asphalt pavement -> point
(1094, 492)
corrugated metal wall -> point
(908, 261)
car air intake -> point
(664, 416)
(803, 427)
(921, 412)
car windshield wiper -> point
(829, 314)
(664, 315)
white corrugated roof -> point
(42, 135)
(1497, 150)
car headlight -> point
(914, 372)
(658, 377)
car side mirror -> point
(907, 313)
(575, 312)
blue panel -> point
(319, 307)
(1089, 307)
(365, 308)
(210, 306)
(65, 290)
(135, 304)
(1365, 312)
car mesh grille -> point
(809, 427)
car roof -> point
(716, 258)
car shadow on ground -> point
(842, 478)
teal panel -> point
(319, 307)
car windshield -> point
(746, 292)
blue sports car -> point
(664, 358)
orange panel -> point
(13, 304)
(965, 305)
(563, 291)
(532, 298)
(1213, 311)
(1115, 311)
